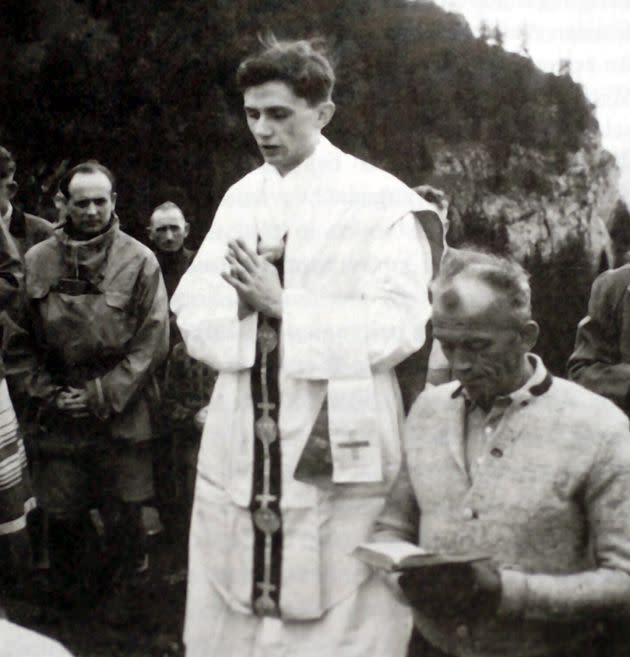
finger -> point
(233, 281)
(242, 255)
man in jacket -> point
(601, 358)
(507, 462)
(97, 330)
(25, 229)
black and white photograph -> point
(314, 328)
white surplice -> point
(356, 270)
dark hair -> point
(502, 274)
(91, 166)
(7, 163)
(301, 64)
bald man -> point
(508, 462)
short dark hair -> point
(167, 205)
(502, 274)
(91, 166)
(303, 65)
(7, 163)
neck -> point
(80, 236)
(4, 208)
(522, 374)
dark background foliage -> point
(148, 89)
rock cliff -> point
(536, 206)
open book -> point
(399, 555)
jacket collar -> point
(86, 259)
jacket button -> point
(469, 513)
(496, 452)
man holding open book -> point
(508, 462)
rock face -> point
(534, 205)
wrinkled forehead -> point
(469, 304)
(167, 217)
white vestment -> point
(355, 303)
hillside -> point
(148, 88)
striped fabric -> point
(16, 497)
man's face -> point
(285, 127)
(481, 340)
(91, 202)
(168, 230)
(8, 188)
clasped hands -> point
(254, 278)
(469, 590)
(73, 401)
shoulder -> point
(585, 410)
(42, 251)
(38, 224)
(376, 191)
(129, 247)
(613, 282)
(433, 403)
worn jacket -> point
(550, 503)
(601, 359)
(98, 319)
(28, 230)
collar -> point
(538, 384)
(305, 169)
(86, 258)
(8, 214)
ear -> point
(114, 197)
(529, 335)
(186, 229)
(325, 112)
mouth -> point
(269, 149)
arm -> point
(11, 269)
(400, 518)
(145, 351)
(600, 592)
(333, 337)
(596, 362)
(206, 305)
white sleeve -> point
(337, 338)
(207, 307)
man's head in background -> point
(287, 93)
(168, 228)
(8, 186)
(87, 194)
(482, 318)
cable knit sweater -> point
(550, 503)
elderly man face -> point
(482, 338)
(285, 126)
(90, 202)
(168, 229)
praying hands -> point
(255, 280)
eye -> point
(476, 345)
(251, 114)
(279, 114)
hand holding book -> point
(438, 585)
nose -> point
(91, 209)
(262, 127)
(169, 235)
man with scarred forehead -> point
(512, 464)
(309, 288)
